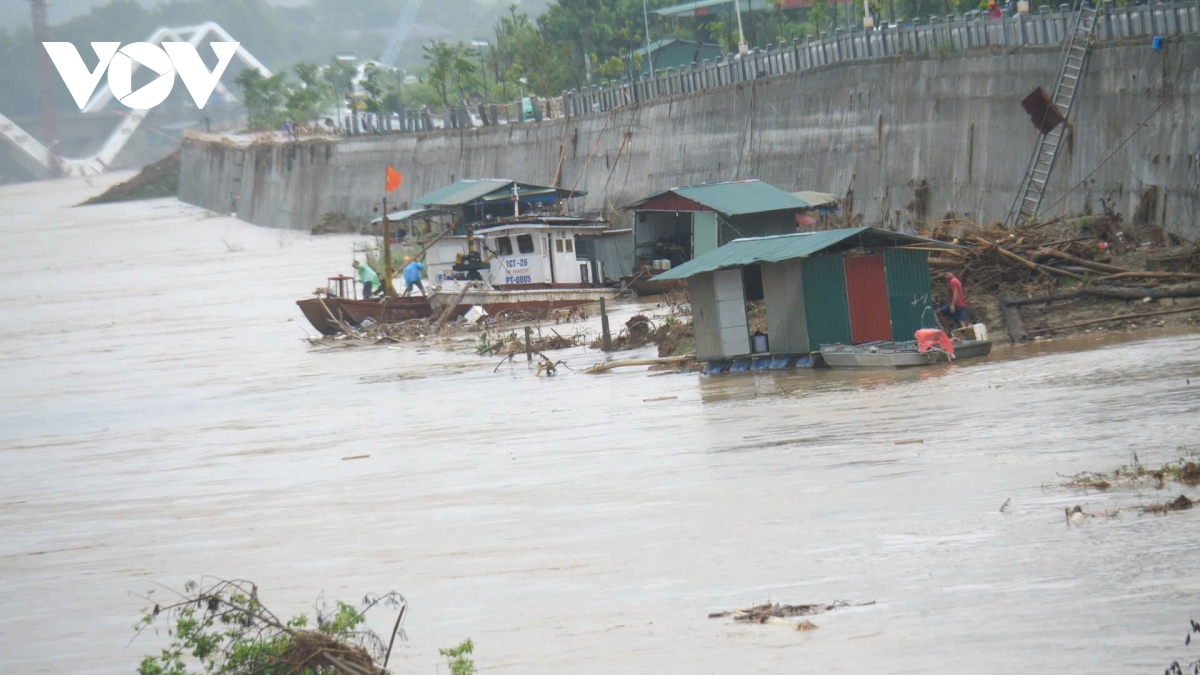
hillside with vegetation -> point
(456, 49)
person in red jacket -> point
(955, 308)
(994, 10)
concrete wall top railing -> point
(970, 31)
(973, 30)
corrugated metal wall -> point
(615, 251)
(730, 291)
(867, 297)
(783, 290)
(704, 317)
(910, 298)
(825, 309)
(704, 233)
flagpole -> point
(387, 245)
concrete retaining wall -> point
(909, 138)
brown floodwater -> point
(162, 418)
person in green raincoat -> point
(370, 281)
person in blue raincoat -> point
(412, 276)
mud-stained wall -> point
(912, 138)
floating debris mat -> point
(784, 615)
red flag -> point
(394, 179)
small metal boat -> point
(899, 354)
(335, 303)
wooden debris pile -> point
(1019, 258)
(1027, 265)
(1137, 477)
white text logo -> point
(178, 57)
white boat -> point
(530, 263)
(899, 354)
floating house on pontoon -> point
(681, 223)
(848, 286)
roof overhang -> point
(781, 247)
(400, 216)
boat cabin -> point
(413, 224)
(528, 253)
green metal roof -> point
(817, 198)
(690, 8)
(472, 190)
(667, 42)
(462, 192)
(735, 198)
(788, 246)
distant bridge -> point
(39, 159)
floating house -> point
(848, 286)
(682, 223)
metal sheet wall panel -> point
(704, 233)
(825, 307)
(731, 312)
(704, 317)
(867, 297)
(910, 296)
(783, 293)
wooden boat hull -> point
(318, 311)
(642, 283)
(496, 301)
(886, 355)
(387, 310)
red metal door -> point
(866, 295)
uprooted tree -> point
(222, 628)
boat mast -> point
(516, 201)
(387, 251)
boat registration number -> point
(517, 271)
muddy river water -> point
(162, 418)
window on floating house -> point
(558, 245)
(570, 246)
(525, 243)
(503, 246)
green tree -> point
(522, 51)
(264, 97)
(440, 57)
(310, 100)
(463, 70)
(375, 86)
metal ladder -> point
(1033, 185)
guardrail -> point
(948, 34)
(973, 30)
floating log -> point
(1119, 317)
(450, 308)
(1112, 294)
(1082, 262)
(1022, 261)
(606, 366)
(1012, 319)
(1135, 274)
